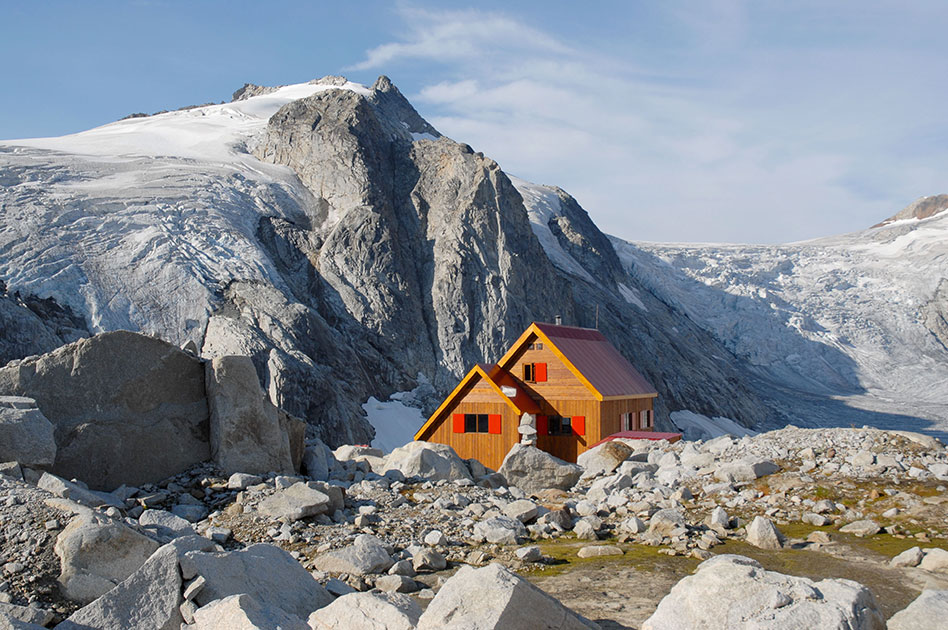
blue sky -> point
(669, 121)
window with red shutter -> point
(494, 423)
(579, 425)
(540, 372)
(458, 420)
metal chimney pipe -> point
(558, 320)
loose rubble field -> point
(634, 520)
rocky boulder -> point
(149, 599)
(114, 400)
(747, 469)
(735, 592)
(364, 556)
(493, 597)
(532, 470)
(500, 529)
(244, 612)
(296, 502)
(26, 436)
(266, 572)
(764, 534)
(603, 459)
(246, 434)
(96, 553)
(368, 611)
(926, 611)
(428, 460)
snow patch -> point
(695, 426)
(542, 204)
(421, 136)
(395, 422)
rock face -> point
(26, 436)
(114, 395)
(97, 553)
(730, 591)
(245, 430)
(493, 597)
(532, 470)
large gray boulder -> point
(364, 556)
(96, 553)
(603, 459)
(245, 430)
(764, 534)
(267, 572)
(26, 436)
(245, 612)
(532, 470)
(9, 622)
(747, 469)
(500, 529)
(26, 614)
(296, 502)
(368, 611)
(114, 400)
(492, 598)
(928, 611)
(74, 492)
(428, 460)
(149, 599)
(735, 592)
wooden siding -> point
(561, 383)
(612, 410)
(568, 447)
(488, 449)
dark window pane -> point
(470, 423)
(482, 423)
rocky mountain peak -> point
(922, 208)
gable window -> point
(560, 426)
(534, 372)
(536, 346)
(475, 423)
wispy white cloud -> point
(770, 146)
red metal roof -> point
(597, 360)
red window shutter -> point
(540, 375)
(458, 422)
(493, 423)
(543, 425)
(579, 425)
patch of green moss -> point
(640, 557)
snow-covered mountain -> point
(329, 232)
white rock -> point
(524, 510)
(494, 598)
(908, 558)
(734, 592)
(435, 537)
(594, 551)
(665, 521)
(296, 502)
(718, 518)
(529, 554)
(929, 611)
(364, 556)
(633, 525)
(245, 612)
(935, 560)
(428, 560)
(427, 460)
(165, 525)
(367, 611)
(241, 481)
(532, 470)
(747, 469)
(265, 571)
(500, 529)
(764, 534)
(861, 528)
(148, 599)
(96, 553)
(603, 459)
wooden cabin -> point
(572, 382)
